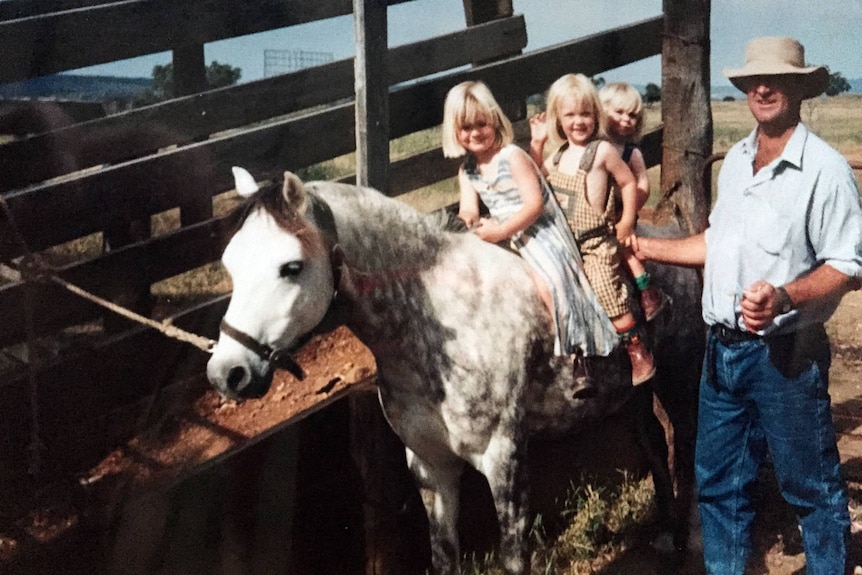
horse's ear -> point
(294, 192)
(244, 182)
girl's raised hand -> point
(539, 128)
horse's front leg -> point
(440, 486)
(505, 467)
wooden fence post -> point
(376, 450)
(190, 70)
(190, 77)
(686, 113)
(372, 93)
(482, 11)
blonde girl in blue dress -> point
(525, 214)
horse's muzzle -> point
(277, 358)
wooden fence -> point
(64, 409)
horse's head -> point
(282, 285)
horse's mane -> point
(271, 200)
(422, 236)
(447, 221)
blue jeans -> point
(757, 396)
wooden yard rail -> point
(100, 175)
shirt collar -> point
(792, 153)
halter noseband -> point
(281, 357)
(277, 357)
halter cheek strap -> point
(280, 357)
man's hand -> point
(759, 305)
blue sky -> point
(830, 31)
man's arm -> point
(760, 301)
(690, 251)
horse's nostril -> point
(235, 377)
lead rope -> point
(170, 330)
(33, 269)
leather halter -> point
(280, 357)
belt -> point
(729, 336)
(596, 232)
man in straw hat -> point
(784, 244)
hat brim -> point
(815, 79)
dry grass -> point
(603, 523)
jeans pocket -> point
(793, 354)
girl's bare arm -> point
(468, 206)
(609, 159)
(527, 180)
(638, 167)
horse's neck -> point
(380, 234)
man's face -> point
(774, 100)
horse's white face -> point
(282, 288)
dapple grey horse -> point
(462, 340)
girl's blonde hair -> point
(582, 90)
(470, 103)
(622, 96)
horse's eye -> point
(290, 269)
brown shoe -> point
(653, 301)
(643, 363)
(583, 386)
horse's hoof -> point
(664, 544)
(585, 390)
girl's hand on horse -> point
(490, 230)
(470, 219)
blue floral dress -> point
(548, 246)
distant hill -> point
(720, 92)
(105, 88)
(77, 87)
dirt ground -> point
(778, 545)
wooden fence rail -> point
(41, 40)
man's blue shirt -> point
(801, 211)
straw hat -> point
(779, 56)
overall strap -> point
(628, 148)
(589, 155)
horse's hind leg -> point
(653, 444)
(504, 466)
(440, 489)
